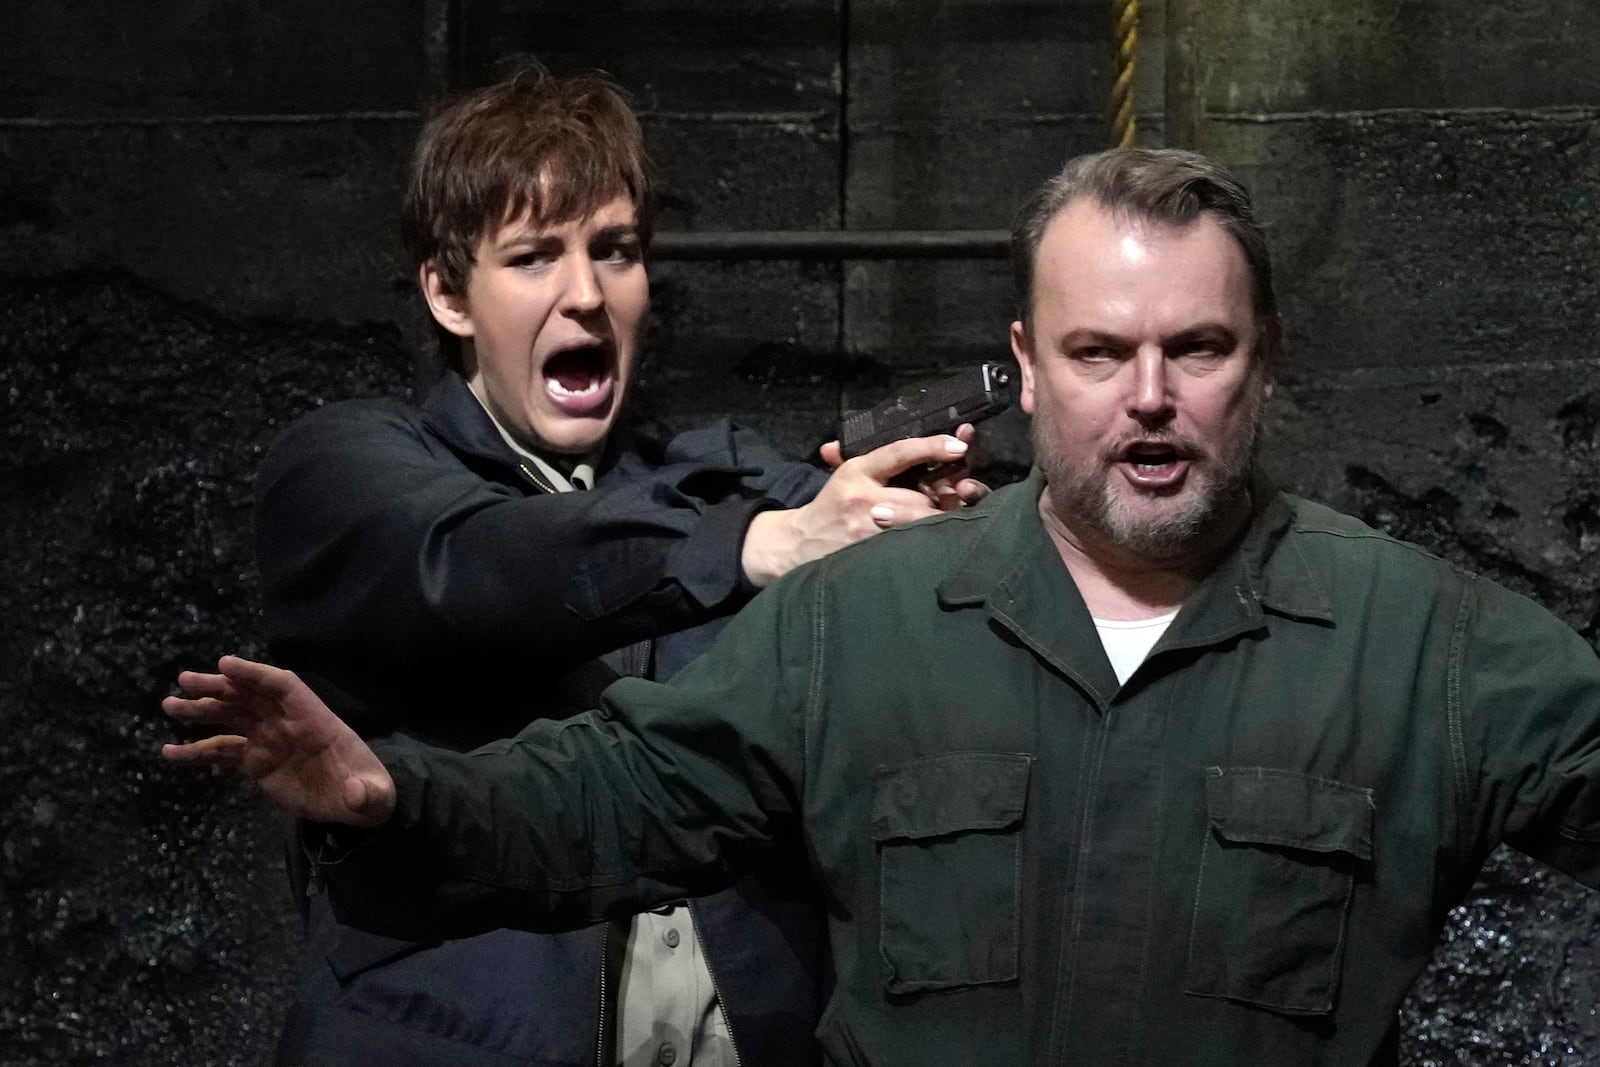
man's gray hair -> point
(1164, 185)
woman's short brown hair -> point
(554, 148)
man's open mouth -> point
(1151, 458)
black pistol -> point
(937, 405)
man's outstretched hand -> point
(280, 735)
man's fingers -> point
(263, 677)
(209, 711)
(224, 749)
(194, 709)
(197, 684)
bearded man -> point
(1140, 762)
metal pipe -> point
(829, 245)
(1185, 110)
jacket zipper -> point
(716, 990)
(600, 1033)
(535, 479)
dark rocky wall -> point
(144, 917)
(196, 218)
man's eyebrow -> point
(1205, 331)
(1074, 338)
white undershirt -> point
(1127, 643)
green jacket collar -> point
(1013, 570)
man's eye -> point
(532, 259)
(1092, 353)
(1209, 349)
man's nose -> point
(1151, 395)
(582, 290)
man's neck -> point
(1119, 584)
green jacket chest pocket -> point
(948, 831)
(1279, 863)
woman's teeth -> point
(561, 388)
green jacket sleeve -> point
(1529, 705)
(658, 794)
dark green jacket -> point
(1242, 856)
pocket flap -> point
(1262, 806)
(948, 794)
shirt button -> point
(671, 938)
(665, 1055)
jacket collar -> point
(1263, 573)
(1014, 570)
(451, 412)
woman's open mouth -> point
(579, 381)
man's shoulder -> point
(1360, 566)
(1337, 532)
(922, 552)
(1351, 555)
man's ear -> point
(1022, 348)
(448, 309)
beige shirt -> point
(667, 1010)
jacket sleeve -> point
(1529, 692)
(386, 555)
(664, 792)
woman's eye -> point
(621, 252)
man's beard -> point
(1081, 494)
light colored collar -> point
(582, 476)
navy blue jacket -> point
(428, 583)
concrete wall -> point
(196, 220)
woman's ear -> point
(448, 309)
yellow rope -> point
(1125, 41)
